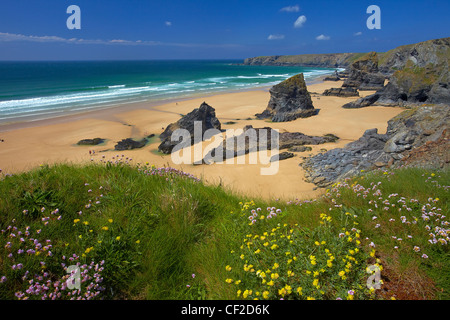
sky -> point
(211, 29)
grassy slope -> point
(164, 236)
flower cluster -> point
(284, 262)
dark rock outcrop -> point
(334, 77)
(282, 156)
(204, 114)
(410, 130)
(299, 149)
(289, 100)
(342, 92)
(130, 144)
(251, 140)
(293, 139)
(90, 142)
(260, 139)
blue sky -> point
(211, 29)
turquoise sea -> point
(38, 90)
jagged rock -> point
(334, 77)
(129, 144)
(282, 156)
(362, 102)
(291, 139)
(299, 149)
(251, 140)
(259, 139)
(289, 100)
(204, 114)
(364, 74)
(90, 142)
(406, 132)
(418, 74)
(341, 92)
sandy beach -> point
(28, 145)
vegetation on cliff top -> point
(140, 232)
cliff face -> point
(410, 136)
(364, 74)
(417, 74)
(421, 54)
(333, 60)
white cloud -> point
(10, 37)
(357, 33)
(295, 8)
(276, 37)
(300, 22)
(168, 23)
(323, 37)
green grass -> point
(140, 232)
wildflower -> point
(118, 238)
(416, 249)
(299, 291)
(228, 268)
(76, 220)
(246, 293)
(265, 294)
(110, 220)
(105, 228)
(229, 280)
(350, 295)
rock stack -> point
(289, 100)
(204, 114)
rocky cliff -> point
(333, 60)
(289, 100)
(421, 128)
(417, 74)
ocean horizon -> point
(38, 90)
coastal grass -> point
(141, 232)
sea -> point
(32, 91)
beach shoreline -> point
(126, 106)
(28, 145)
